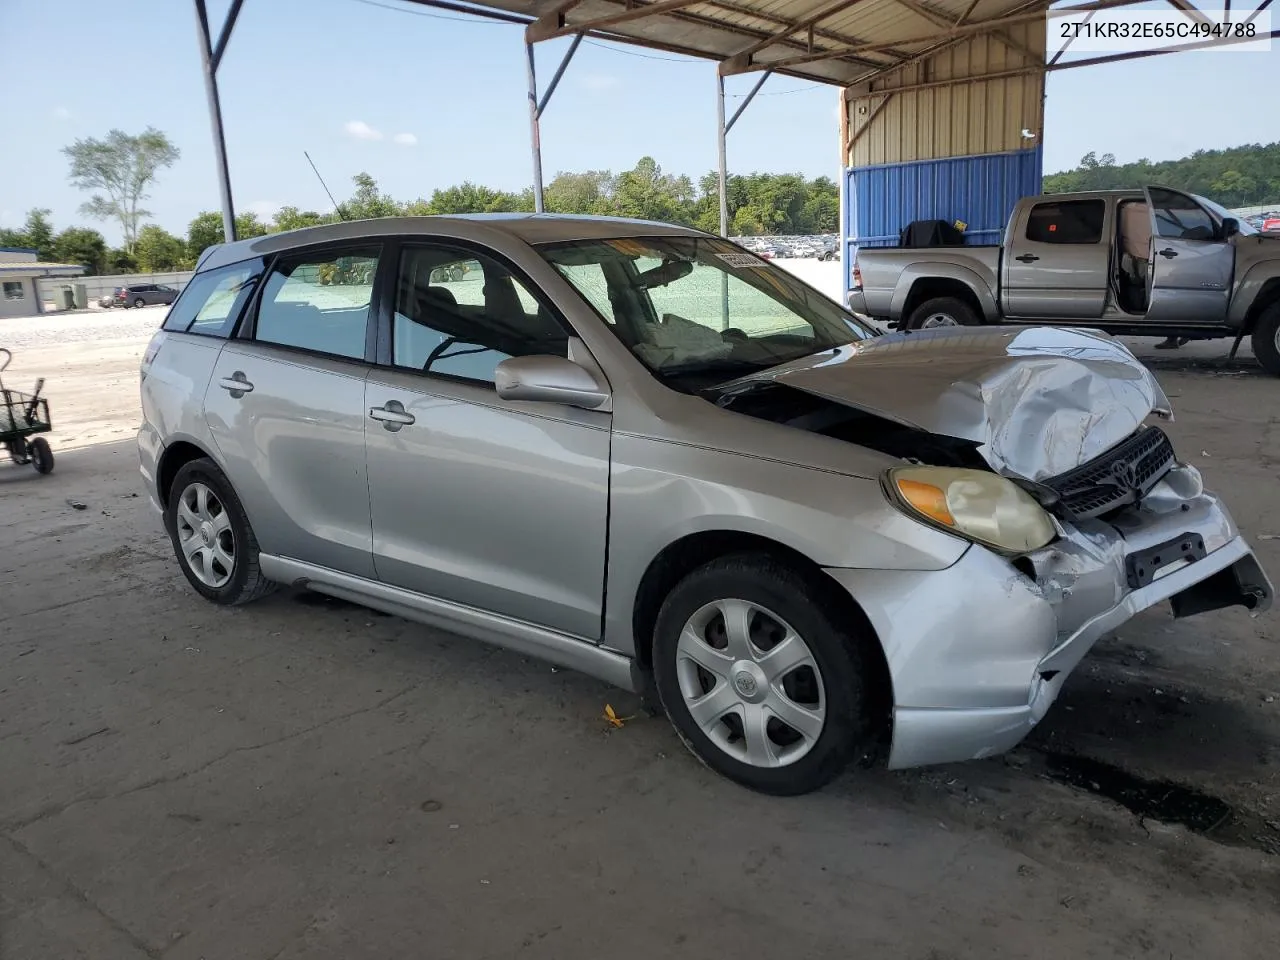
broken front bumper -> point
(979, 651)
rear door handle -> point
(393, 415)
(1168, 253)
(1027, 258)
(238, 384)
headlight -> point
(973, 504)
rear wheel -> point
(759, 682)
(942, 312)
(211, 536)
(41, 455)
(1266, 339)
(139, 302)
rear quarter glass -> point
(211, 303)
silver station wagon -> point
(645, 453)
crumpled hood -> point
(1038, 400)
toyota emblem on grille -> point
(1124, 474)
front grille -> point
(1121, 476)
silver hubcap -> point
(939, 320)
(751, 683)
(204, 535)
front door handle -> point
(1027, 258)
(1168, 253)
(393, 415)
(238, 384)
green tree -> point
(203, 232)
(36, 234)
(83, 246)
(120, 260)
(368, 202)
(248, 226)
(291, 218)
(124, 167)
(588, 192)
(646, 193)
(158, 250)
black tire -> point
(839, 651)
(957, 309)
(246, 582)
(139, 302)
(40, 454)
(1266, 339)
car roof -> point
(532, 228)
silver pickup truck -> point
(1151, 262)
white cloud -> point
(599, 81)
(61, 113)
(405, 139)
(265, 209)
(361, 130)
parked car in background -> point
(145, 295)
(640, 451)
(1153, 262)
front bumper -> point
(978, 652)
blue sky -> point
(343, 78)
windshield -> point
(1246, 230)
(701, 307)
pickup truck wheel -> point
(942, 312)
(1266, 339)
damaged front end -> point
(977, 653)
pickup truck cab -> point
(1150, 262)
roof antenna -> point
(336, 206)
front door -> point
(286, 408)
(1189, 279)
(1056, 261)
(497, 505)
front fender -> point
(981, 287)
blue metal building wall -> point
(880, 200)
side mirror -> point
(548, 379)
(1230, 227)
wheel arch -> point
(1268, 296)
(681, 557)
(175, 456)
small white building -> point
(19, 269)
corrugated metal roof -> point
(832, 41)
(36, 266)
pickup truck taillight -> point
(855, 277)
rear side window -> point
(212, 301)
(1069, 221)
(319, 302)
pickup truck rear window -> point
(1067, 221)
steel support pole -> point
(215, 119)
(534, 136)
(724, 160)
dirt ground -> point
(300, 778)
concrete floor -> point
(299, 778)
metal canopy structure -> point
(845, 43)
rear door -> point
(1056, 261)
(1191, 264)
(286, 407)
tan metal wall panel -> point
(929, 118)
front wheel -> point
(211, 536)
(1266, 339)
(943, 312)
(41, 455)
(760, 684)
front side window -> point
(319, 302)
(1067, 221)
(212, 301)
(460, 314)
(13, 290)
(701, 307)
(1179, 217)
